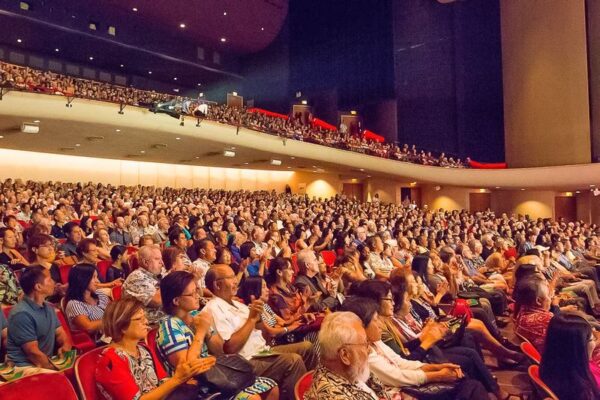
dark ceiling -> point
(207, 48)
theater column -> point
(545, 81)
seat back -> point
(302, 385)
(81, 340)
(117, 292)
(64, 272)
(103, 267)
(85, 374)
(6, 310)
(151, 342)
(295, 263)
(328, 258)
(40, 386)
(534, 374)
(134, 263)
(530, 351)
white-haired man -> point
(344, 369)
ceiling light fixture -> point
(199, 84)
(91, 58)
(57, 50)
(19, 40)
(229, 153)
(275, 161)
(77, 145)
(149, 72)
(223, 40)
(262, 29)
(134, 9)
(117, 130)
(234, 93)
(175, 78)
(122, 65)
(37, 121)
(1, 137)
(182, 25)
(143, 151)
(224, 12)
(304, 102)
(177, 138)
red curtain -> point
(370, 135)
(322, 124)
(267, 112)
(478, 165)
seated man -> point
(309, 278)
(533, 301)
(74, 236)
(236, 324)
(343, 373)
(34, 329)
(144, 284)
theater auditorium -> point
(300, 200)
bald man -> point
(144, 283)
(237, 324)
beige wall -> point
(544, 63)
(448, 198)
(316, 185)
(387, 189)
(536, 204)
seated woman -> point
(103, 243)
(173, 259)
(120, 263)
(10, 255)
(566, 366)
(275, 329)
(285, 299)
(252, 264)
(397, 372)
(126, 369)
(84, 304)
(351, 271)
(187, 335)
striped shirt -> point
(94, 312)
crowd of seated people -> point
(380, 300)
(30, 79)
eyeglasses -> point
(194, 294)
(390, 299)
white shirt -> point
(393, 370)
(200, 267)
(229, 318)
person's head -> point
(206, 250)
(173, 258)
(361, 233)
(280, 270)
(36, 280)
(82, 278)
(400, 292)
(8, 237)
(422, 267)
(179, 291)
(379, 291)
(87, 251)
(253, 287)
(177, 238)
(307, 261)
(375, 244)
(73, 232)
(125, 319)
(223, 256)
(344, 346)
(247, 250)
(533, 291)
(120, 222)
(150, 259)
(118, 254)
(146, 240)
(366, 309)
(42, 246)
(221, 281)
(565, 360)
(102, 236)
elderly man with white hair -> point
(344, 369)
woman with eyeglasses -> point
(126, 369)
(187, 335)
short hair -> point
(174, 235)
(372, 289)
(528, 290)
(202, 244)
(276, 264)
(117, 317)
(173, 286)
(31, 276)
(301, 261)
(3, 231)
(169, 255)
(251, 287)
(37, 240)
(68, 227)
(79, 280)
(336, 331)
(245, 249)
(364, 307)
(117, 251)
(84, 246)
(145, 238)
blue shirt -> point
(29, 322)
(3, 324)
(253, 268)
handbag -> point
(461, 307)
(230, 374)
(430, 390)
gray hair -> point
(336, 330)
(302, 259)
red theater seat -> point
(103, 267)
(302, 385)
(85, 371)
(41, 386)
(534, 374)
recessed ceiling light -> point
(1, 137)
(19, 40)
(197, 157)
(142, 151)
(37, 121)
(224, 12)
(577, 191)
(293, 158)
(177, 138)
(289, 167)
(522, 189)
(77, 145)
(223, 40)
(182, 25)
(245, 163)
(592, 185)
(91, 58)
(497, 187)
(176, 90)
(134, 9)
(175, 78)
(57, 50)
(199, 84)
(117, 130)
(232, 148)
(362, 170)
(262, 29)
(122, 65)
(149, 72)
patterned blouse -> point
(142, 285)
(120, 376)
(9, 286)
(532, 323)
(326, 385)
